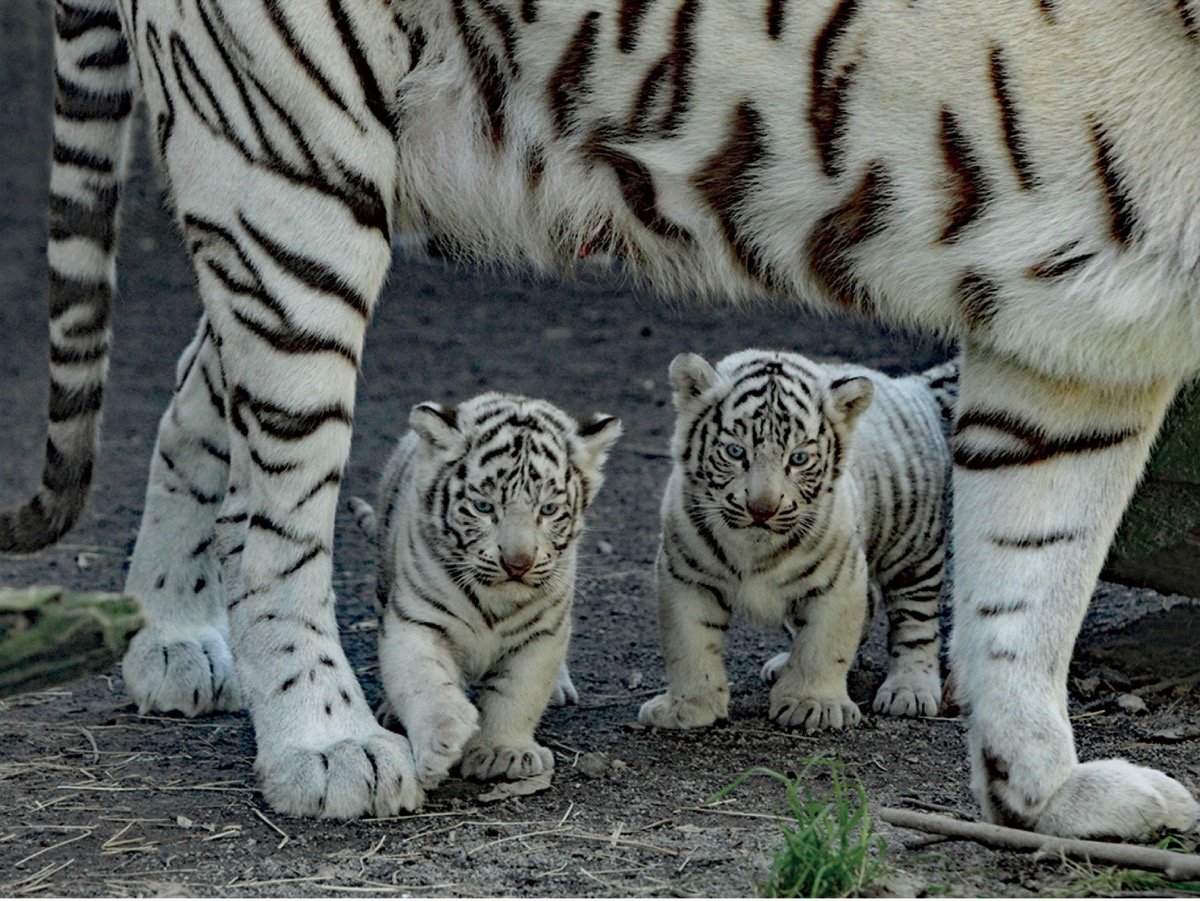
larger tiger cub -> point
(798, 491)
(481, 510)
(1021, 177)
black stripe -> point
(637, 189)
(570, 77)
(78, 103)
(728, 177)
(486, 69)
(969, 190)
(71, 22)
(775, 14)
(1121, 211)
(1035, 542)
(1036, 446)
(978, 298)
(83, 158)
(862, 216)
(828, 111)
(1014, 140)
(1187, 19)
(629, 20)
(307, 270)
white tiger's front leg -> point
(1043, 470)
(424, 691)
(513, 695)
(809, 689)
(181, 660)
(692, 622)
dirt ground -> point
(97, 800)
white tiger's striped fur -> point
(1018, 176)
(798, 492)
(482, 508)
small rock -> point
(1131, 704)
(594, 764)
(1088, 687)
(605, 548)
(634, 680)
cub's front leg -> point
(512, 698)
(424, 693)
(810, 686)
(692, 624)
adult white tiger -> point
(481, 508)
(799, 494)
(1035, 197)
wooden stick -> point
(1177, 867)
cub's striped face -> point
(511, 478)
(762, 438)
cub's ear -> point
(849, 397)
(690, 376)
(436, 425)
(596, 437)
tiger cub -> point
(774, 511)
(481, 509)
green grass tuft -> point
(830, 850)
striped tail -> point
(943, 382)
(93, 98)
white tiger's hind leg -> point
(1043, 470)
(913, 685)
(181, 660)
(283, 170)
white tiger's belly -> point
(1069, 245)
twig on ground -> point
(1189, 681)
(262, 816)
(1175, 866)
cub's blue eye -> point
(485, 506)
(798, 458)
(548, 509)
(735, 451)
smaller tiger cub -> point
(482, 507)
(799, 491)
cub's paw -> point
(370, 776)
(438, 740)
(668, 711)
(813, 714)
(564, 693)
(909, 694)
(772, 668)
(1117, 799)
(506, 762)
(191, 673)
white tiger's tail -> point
(93, 98)
(943, 383)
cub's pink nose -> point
(761, 511)
(517, 565)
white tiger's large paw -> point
(1117, 799)
(506, 761)
(803, 711)
(909, 693)
(190, 673)
(671, 711)
(373, 775)
(564, 692)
